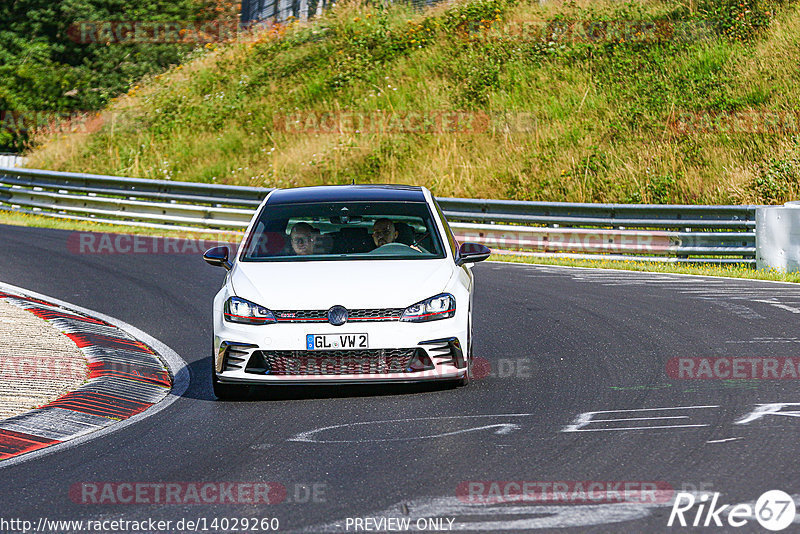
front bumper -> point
(276, 353)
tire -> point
(227, 391)
(468, 377)
(461, 382)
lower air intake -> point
(330, 362)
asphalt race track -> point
(559, 342)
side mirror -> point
(472, 253)
(218, 257)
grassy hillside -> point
(569, 119)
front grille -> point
(330, 362)
(321, 316)
(381, 314)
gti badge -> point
(337, 315)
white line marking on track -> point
(586, 418)
(775, 408)
(632, 428)
(723, 440)
(781, 306)
(503, 428)
(691, 278)
(657, 409)
(775, 340)
(640, 419)
(716, 289)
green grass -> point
(598, 113)
(729, 271)
(40, 221)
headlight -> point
(439, 307)
(243, 311)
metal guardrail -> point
(702, 234)
(8, 159)
(628, 215)
(282, 10)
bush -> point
(778, 179)
(43, 67)
(738, 20)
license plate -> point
(336, 341)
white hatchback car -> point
(352, 284)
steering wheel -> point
(393, 248)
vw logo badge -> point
(337, 315)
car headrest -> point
(405, 233)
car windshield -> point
(344, 230)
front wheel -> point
(227, 391)
(468, 376)
(466, 380)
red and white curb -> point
(127, 376)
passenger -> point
(303, 237)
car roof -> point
(347, 193)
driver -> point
(383, 232)
(303, 237)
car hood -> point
(318, 285)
